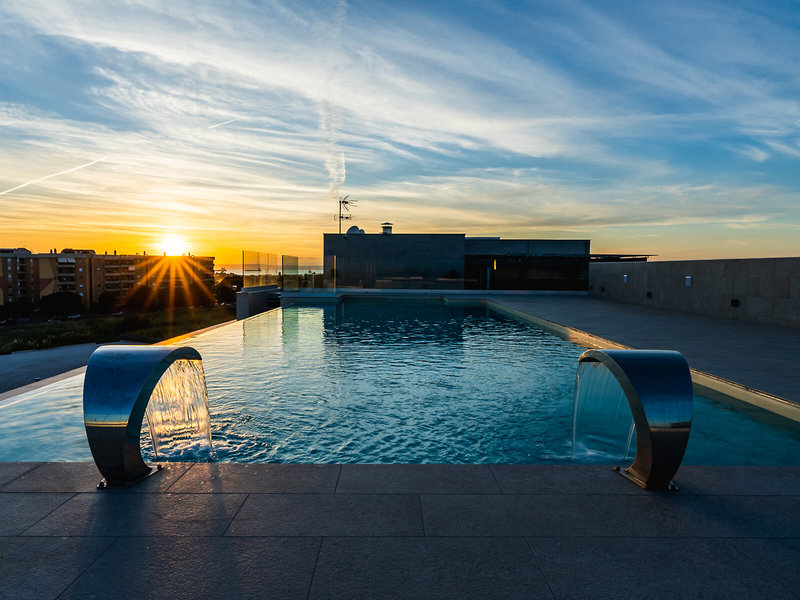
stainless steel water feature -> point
(658, 387)
(119, 382)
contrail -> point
(329, 120)
(53, 175)
(225, 123)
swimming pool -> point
(383, 381)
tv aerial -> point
(345, 204)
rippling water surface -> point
(388, 382)
(385, 381)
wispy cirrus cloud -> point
(564, 117)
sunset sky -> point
(665, 128)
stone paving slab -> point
(711, 539)
(728, 480)
(42, 568)
(668, 515)
(10, 471)
(418, 567)
(562, 479)
(205, 568)
(18, 512)
(417, 479)
(329, 514)
(627, 568)
(108, 514)
(513, 515)
(258, 478)
(780, 558)
(84, 477)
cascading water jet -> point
(657, 385)
(125, 383)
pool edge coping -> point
(764, 400)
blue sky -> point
(664, 128)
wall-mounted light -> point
(687, 281)
(624, 279)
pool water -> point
(382, 381)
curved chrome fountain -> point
(658, 387)
(117, 388)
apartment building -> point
(27, 277)
(19, 279)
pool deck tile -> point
(84, 477)
(652, 568)
(417, 479)
(199, 568)
(731, 481)
(42, 568)
(257, 478)
(110, 513)
(562, 479)
(420, 567)
(329, 514)
(710, 539)
(669, 515)
(10, 470)
(779, 558)
(513, 515)
(20, 511)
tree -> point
(225, 294)
(60, 304)
(141, 299)
(232, 281)
(16, 310)
(107, 302)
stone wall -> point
(765, 290)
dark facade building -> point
(453, 261)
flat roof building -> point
(453, 261)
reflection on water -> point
(178, 421)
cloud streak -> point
(33, 181)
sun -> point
(173, 246)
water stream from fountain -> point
(602, 423)
(177, 415)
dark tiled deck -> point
(398, 531)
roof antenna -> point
(345, 204)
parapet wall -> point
(764, 290)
